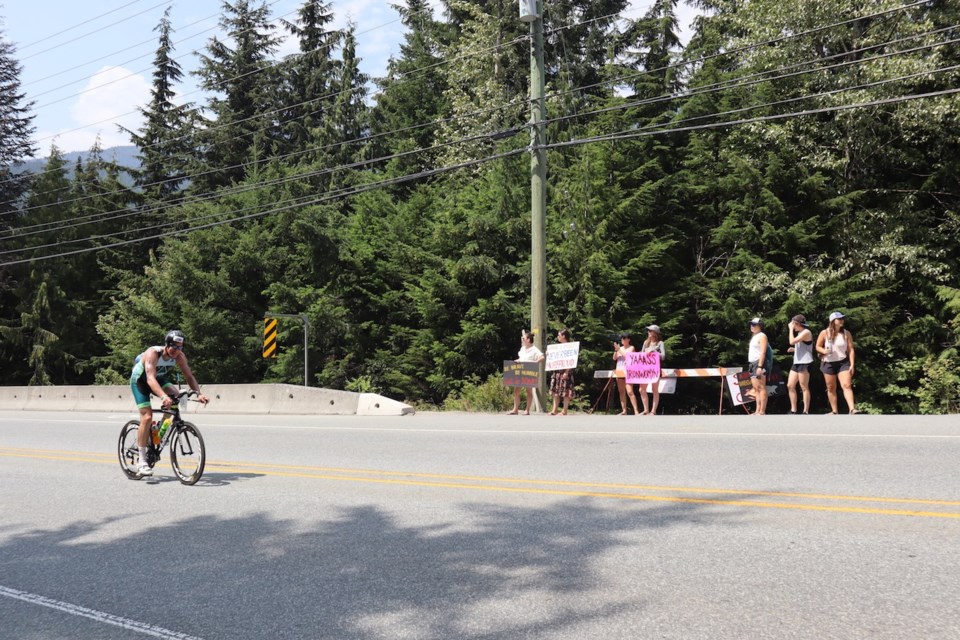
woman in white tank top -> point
(801, 346)
(838, 357)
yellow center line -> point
(453, 481)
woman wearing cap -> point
(653, 343)
(801, 346)
(620, 351)
(835, 346)
(760, 357)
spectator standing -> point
(801, 346)
(835, 345)
(620, 351)
(562, 382)
(760, 357)
(528, 353)
(654, 342)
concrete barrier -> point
(371, 404)
(51, 398)
(224, 398)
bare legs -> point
(803, 378)
(760, 394)
(626, 390)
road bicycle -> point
(187, 452)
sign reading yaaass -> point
(642, 368)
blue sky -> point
(87, 66)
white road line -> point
(93, 614)
(677, 433)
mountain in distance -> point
(125, 156)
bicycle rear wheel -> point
(187, 454)
(127, 449)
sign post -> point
(271, 317)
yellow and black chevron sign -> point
(269, 337)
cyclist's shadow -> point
(215, 479)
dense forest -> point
(794, 156)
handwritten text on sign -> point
(563, 355)
(521, 374)
(642, 368)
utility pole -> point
(531, 11)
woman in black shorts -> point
(835, 346)
(801, 346)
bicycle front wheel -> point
(127, 449)
(187, 454)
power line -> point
(349, 191)
(76, 26)
(734, 83)
(738, 82)
(90, 33)
(665, 129)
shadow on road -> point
(496, 572)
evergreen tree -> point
(308, 77)
(411, 98)
(165, 138)
(242, 130)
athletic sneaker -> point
(144, 470)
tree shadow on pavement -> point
(478, 570)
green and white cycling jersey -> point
(164, 367)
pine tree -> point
(307, 78)
(411, 98)
(241, 77)
(165, 138)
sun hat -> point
(836, 315)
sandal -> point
(854, 412)
(511, 413)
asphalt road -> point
(486, 527)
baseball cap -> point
(654, 327)
(757, 320)
(799, 319)
(836, 315)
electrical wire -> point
(759, 106)
(350, 191)
(594, 139)
(77, 26)
(733, 83)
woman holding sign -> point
(528, 353)
(561, 382)
(620, 351)
(654, 342)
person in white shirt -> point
(838, 357)
(528, 353)
(760, 358)
(801, 346)
(654, 342)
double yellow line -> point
(924, 508)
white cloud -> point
(110, 98)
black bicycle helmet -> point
(175, 338)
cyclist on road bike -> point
(151, 374)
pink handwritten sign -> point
(642, 368)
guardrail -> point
(224, 398)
